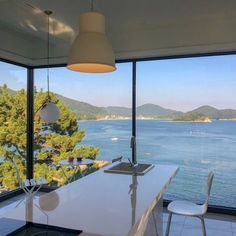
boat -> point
(114, 139)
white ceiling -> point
(136, 28)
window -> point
(95, 120)
(186, 115)
(13, 125)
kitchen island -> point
(103, 203)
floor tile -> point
(234, 227)
(192, 222)
(218, 225)
(178, 219)
(191, 232)
(175, 218)
(198, 232)
(211, 232)
(175, 229)
(165, 217)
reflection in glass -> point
(13, 124)
(186, 115)
(83, 100)
(133, 196)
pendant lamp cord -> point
(48, 58)
(92, 5)
(48, 13)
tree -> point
(51, 142)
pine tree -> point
(51, 142)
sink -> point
(125, 168)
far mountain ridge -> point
(148, 110)
(214, 113)
(85, 110)
(153, 110)
(119, 111)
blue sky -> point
(181, 84)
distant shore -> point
(161, 119)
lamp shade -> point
(49, 113)
(91, 51)
(49, 203)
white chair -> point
(187, 208)
(29, 186)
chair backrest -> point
(117, 159)
(209, 185)
(17, 172)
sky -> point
(180, 84)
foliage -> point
(83, 110)
(51, 142)
(192, 117)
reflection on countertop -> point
(100, 203)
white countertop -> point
(99, 203)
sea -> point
(196, 148)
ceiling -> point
(136, 28)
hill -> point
(152, 110)
(87, 111)
(213, 113)
(146, 110)
(192, 117)
(207, 111)
(119, 111)
(83, 110)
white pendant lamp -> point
(91, 51)
(49, 111)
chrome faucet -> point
(134, 156)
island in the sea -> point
(193, 117)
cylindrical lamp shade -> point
(49, 113)
(91, 51)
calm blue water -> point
(196, 148)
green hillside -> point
(227, 114)
(84, 110)
(119, 111)
(87, 111)
(195, 117)
(207, 111)
(213, 113)
(152, 110)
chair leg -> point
(203, 225)
(155, 222)
(168, 224)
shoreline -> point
(164, 120)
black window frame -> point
(30, 114)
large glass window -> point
(186, 115)
(95, 120)
(13, 126)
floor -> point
(216, 224)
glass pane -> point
(13, 120)
(186, 114)
(95, 121)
